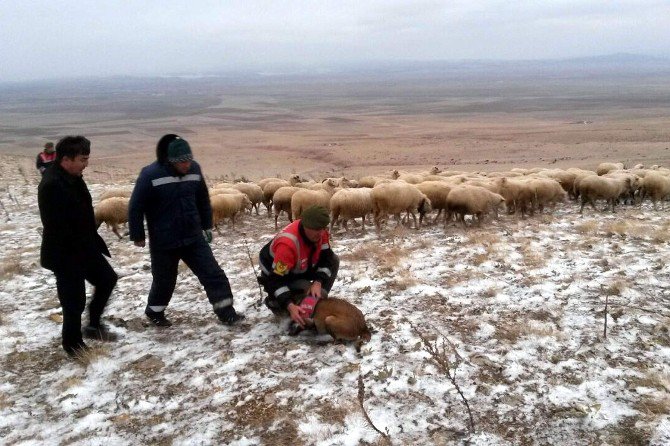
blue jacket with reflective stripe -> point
(176, 207)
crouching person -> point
(172, 194)
(298, 262)
(71, 246)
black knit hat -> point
(315, 217)
(178, 151)
(49, 145)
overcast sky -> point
(63, 38)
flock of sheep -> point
(453, 194)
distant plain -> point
(349, 124)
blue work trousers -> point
(199, 258)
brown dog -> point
(340, 319)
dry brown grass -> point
(401, 281)
(532, 256)
(588, 227)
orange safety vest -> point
(289, 248)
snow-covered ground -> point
(513, 312)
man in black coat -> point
(71, 246)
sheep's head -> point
(330, 182)
(435, 170)
(395, 174)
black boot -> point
(99, 333)
(158, 318)
(228, 315)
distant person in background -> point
(172, 194)
(46, 158)
(71, 246)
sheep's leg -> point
(115, 230)
(416, 225)
(363, 225)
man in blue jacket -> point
(172, 194)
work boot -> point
(228, 315)
(158, 318)
(99, 333)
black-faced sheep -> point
(113, 211)
(350, 204)
(473, 200)
(398, 197)
(437, 192)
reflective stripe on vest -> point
(169, 180)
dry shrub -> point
(91, 355)
(587, 227)
(11, 266)
(387, 258)
(481, 238)
(616, 288)
(490, 292)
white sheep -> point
(113, 211)
(269, 190)
(252, 191)
(604, 168)
(437, 192)
(473, 200)
(305, 198)
(655, 186)
(594, 187)
(228, 206)
(397, 197)
(116, 192)
(350, 204)
(281, 201)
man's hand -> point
(141, 243)
(208, 235)
(296, 314)
(315, 289)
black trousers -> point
(298, 284)
(199, 258)
(72, 295)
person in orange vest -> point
(45, 158)
(299, 262)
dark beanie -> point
(49, 145)
(178, 151)
(315, 217)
